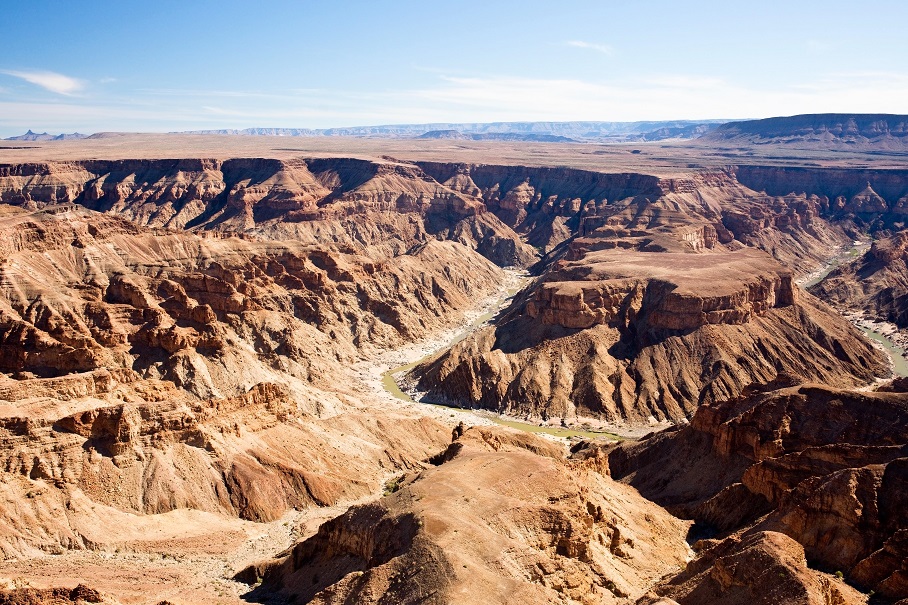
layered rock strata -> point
(260, 195)
(826, 468)
(148, 371)
(627, 336)
(471, 531)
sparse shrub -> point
(392, 486)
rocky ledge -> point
(825, 467)
(630, 336)
(671, 291)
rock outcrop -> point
(765, 568)
(827, 468)
(124, 298)
(626, 336)
(471, 531)
(52, 596)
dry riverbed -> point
(384, 377)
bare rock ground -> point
(184, 341)
(471, 530)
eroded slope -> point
(472, 530)
(824, 467)
(148, 371)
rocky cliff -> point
(259, 195)
(627, 336)
(824, 467)
(542, 203)
(873, 197)
(470, 531)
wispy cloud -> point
(49, 80)
(659, 98)
(818, 47)
(605, 49)
(461, 99)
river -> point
(391, 385)
(873, 330)
(858, 248)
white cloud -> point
(818, 47)
(605, 49)
(475, 99)
(49, 80)
(661, 98)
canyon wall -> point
(825, 467)
(150, 370)
(634, 336)
(312, 200)
(844, 191)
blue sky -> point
(167, 65)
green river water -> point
(896, 353)
(389, 382)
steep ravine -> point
(396, 383)
(884, 334)
(183, 365)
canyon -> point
(188, 331)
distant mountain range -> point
(547, 132)
(554, 132)
(887, 132)
(861, 132)
(43, 136)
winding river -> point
(870, 329)
(391, 385)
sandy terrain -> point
(183, 556)
(659, 158)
